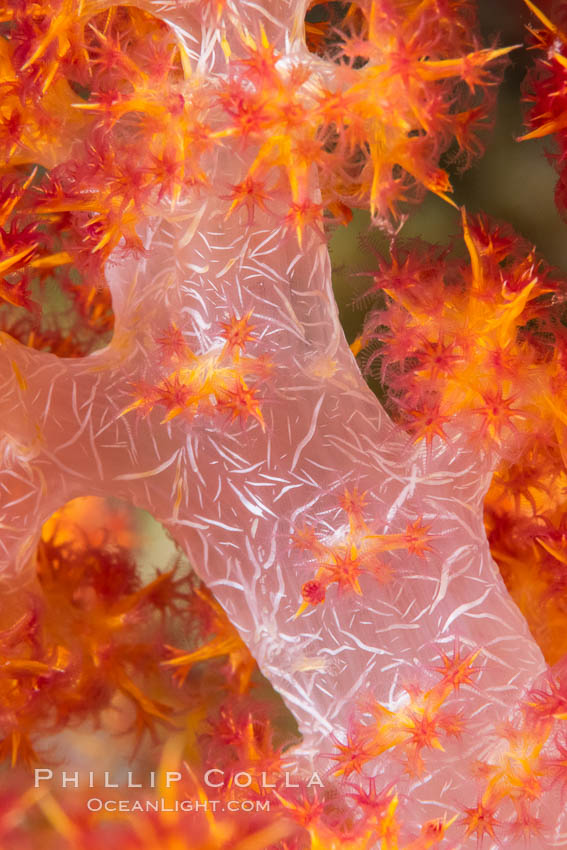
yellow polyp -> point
(135, 404)
(216, 648)
(432, 70)
(59, 259)
(22, 383)
(443, 196)
(92, 107)
(105, 239)
(257, 414)
(44, 43)
(373, 28)
(357, 345)
(265, 41)
(49, 77)
(388, 542)
(561, 59)
(546, 21)
(246, 37)
(389, 826)
(9, 205)
(438, 183)
(141, 700)
(504, 320)
(146, 592)
(553, 126)
(23, 666)
(476, 265)
(374, 192)
(14, 259)
(172, 414)
(449, 823)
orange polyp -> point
(261, 60)
(238, 332)
(302, 216)
(249, 194)
(357, 553)
(428, 424)
(173, 346)
(353, 504)
(458, 670)
(351, 756)
(481, 821)
(241, 402)
(421, 722)
(211, 383)
(497, 414)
